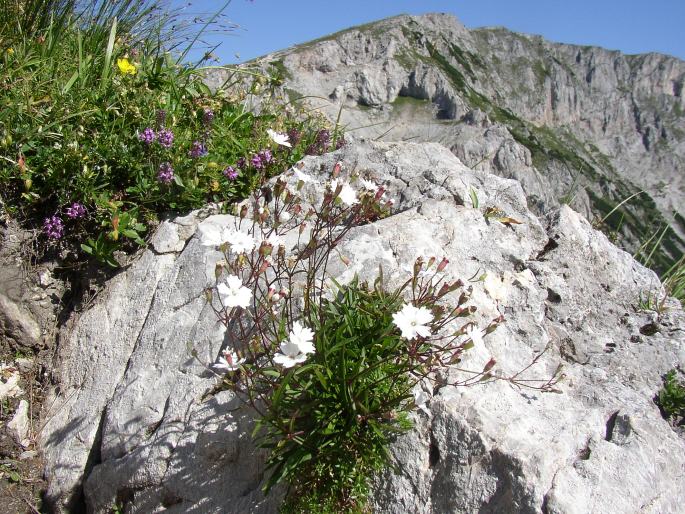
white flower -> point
(228, 362)
(347, 194)
(368, 185)
(296, 348)
(495, 286)
(290, 355)
(240, 242)
(301, 176)
(302, 337)
(284, 216)
(233, 293)
(211, 235)
(420, 399)
(475, 334)
(412, 321)
(275, 241)
(278, 138)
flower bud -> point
(265, 249)
(418, 264)
(279, 187)
(431, 261)
(336, 169)
(243, 212)
(443, 264)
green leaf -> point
(107, 64)
(70, 82)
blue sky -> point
(631, 26)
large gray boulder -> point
(138, 422)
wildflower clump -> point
(120, 125)
(671, 398)
(332, 370)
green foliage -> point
(332, 419)
(674, 280)
(671, 398)
(76, 92)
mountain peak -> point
(574, 124)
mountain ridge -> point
(573, 123)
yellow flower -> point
(126, 67)
(10, 51)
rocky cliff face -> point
(578, 125)
(137, 422)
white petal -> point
(301, 176)
(423, 316)
(284, 360)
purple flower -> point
(76, 210)
(147, 136)
(294, 136)
(208, 116)
(241, 163)
(198, 150)
(256, 162)
(165, 137)
(230, 173)
(323, 137)
(266, 156)
(53, 227)
(166, 173)
(340, 143)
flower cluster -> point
(53, 227)
(165, 174)
(313, 361)
(323, 143)
(230, 173)
(198, 149)
(147, 136)
(164, 137)
(207, 117)
(77, 210)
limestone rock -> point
(139, 422)
(9, 382)
(18, 325)
(19, 424)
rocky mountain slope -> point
(574, 124)
(135, 422)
